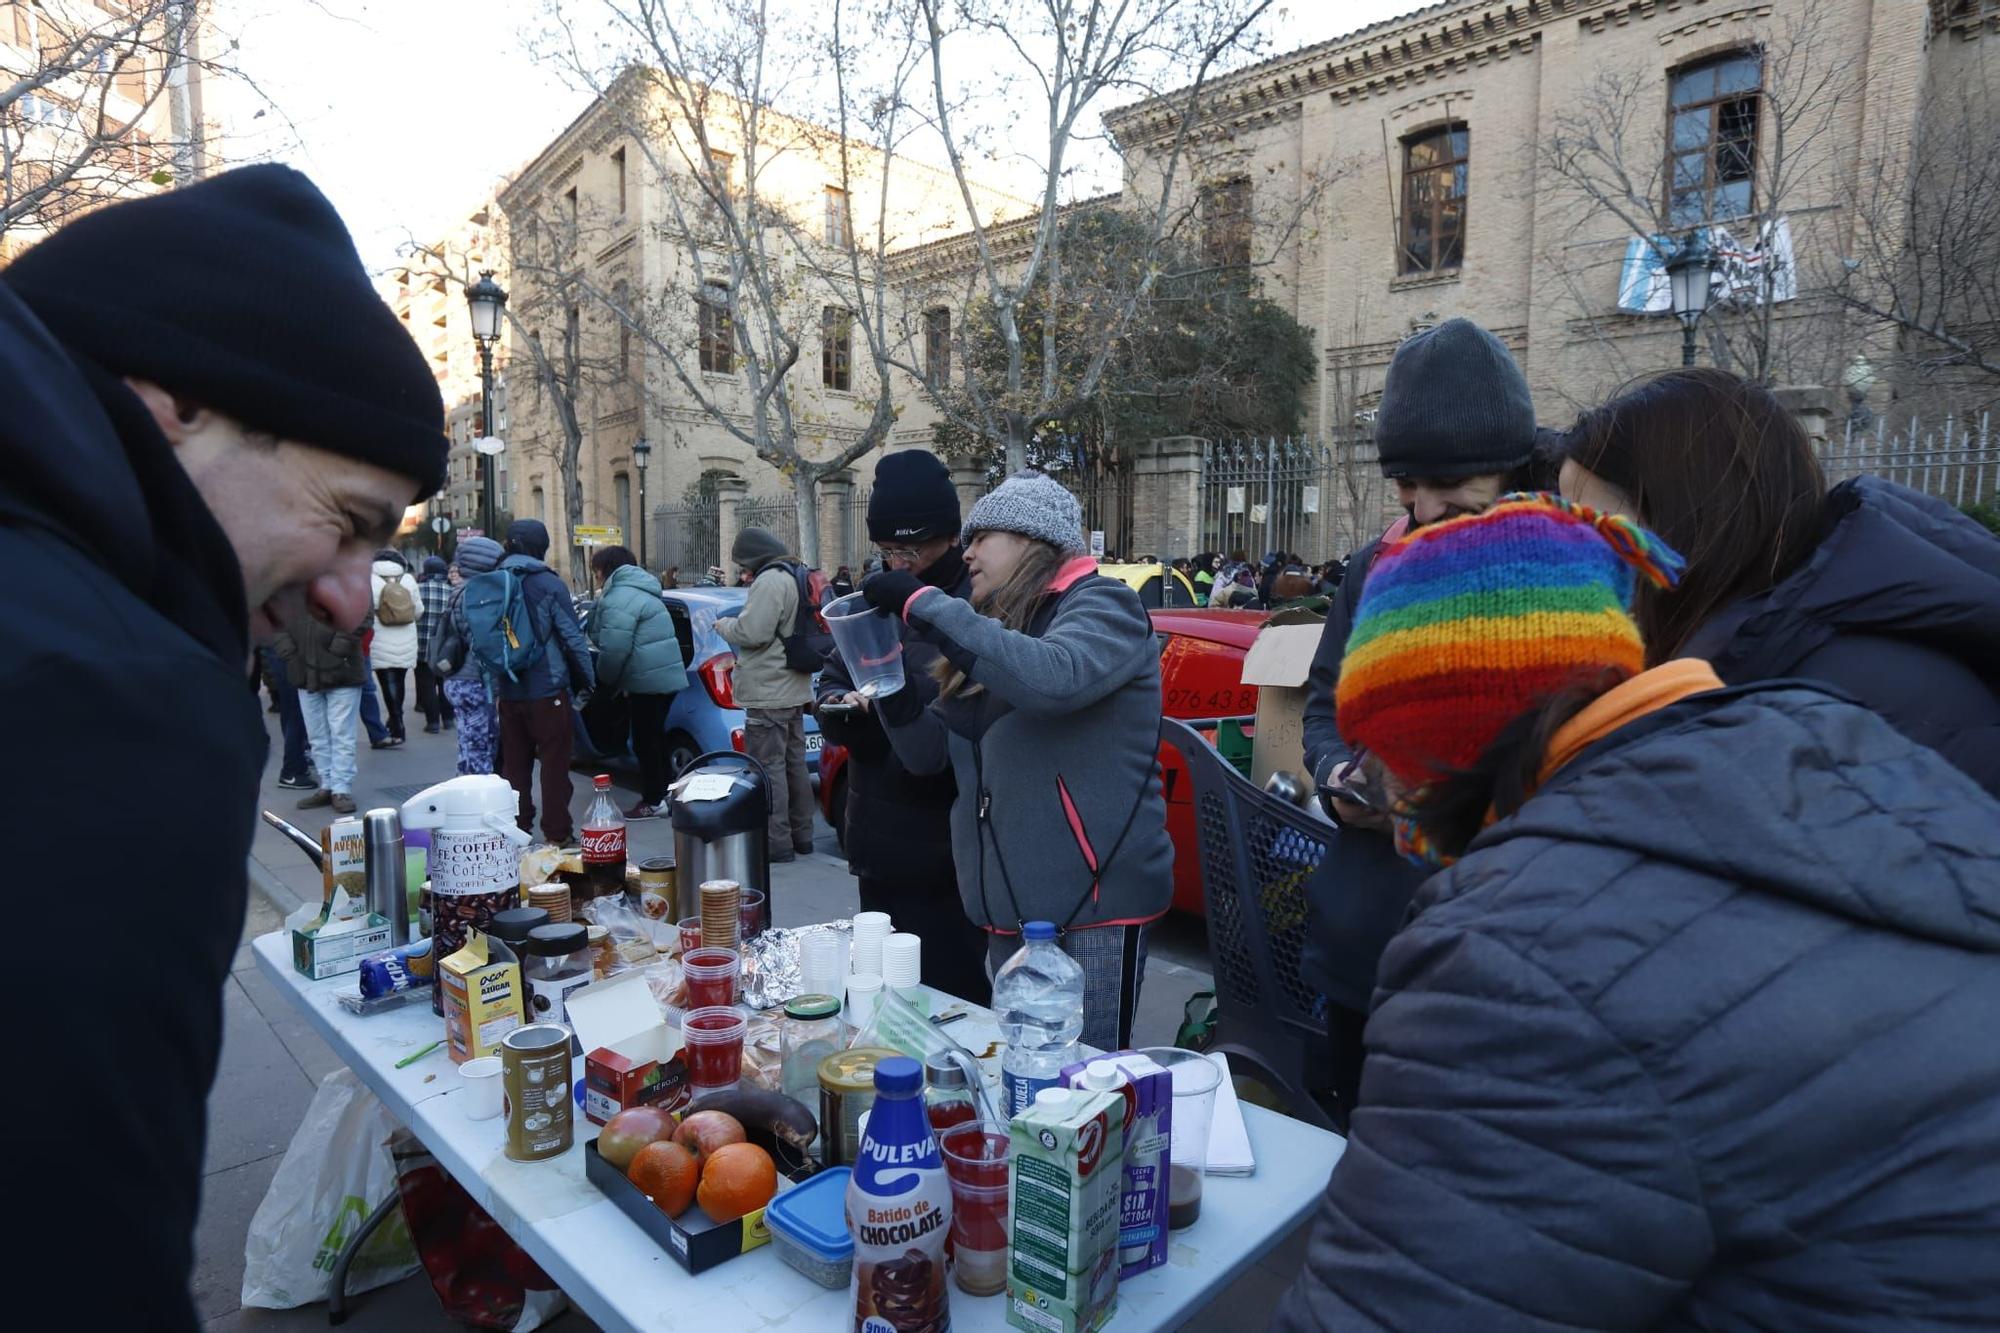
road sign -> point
(588, 534)
(440, 525)
(464, 533)
(489, 445)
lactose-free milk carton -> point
(1148, 1090)
(1064, 1172)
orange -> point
(739, 1178)
(665, 1173)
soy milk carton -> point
(899, 1211)
(1067, 1154)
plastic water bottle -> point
(1038, 994)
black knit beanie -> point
(756, 547)
(528, 536)
(244, 293)
(1454, 405)
(913, 499)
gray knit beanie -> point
(1454, 405)
(477, 555)
(1033, 505)
(756, 547)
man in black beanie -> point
(898, 825)
(209, 422)
(1455, 431)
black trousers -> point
(954, 958)
(392, 680)
(649, 744)
(430, 697)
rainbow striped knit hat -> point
(1467, 624)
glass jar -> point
(947, 1095)
(812, 1030)
(558, 961)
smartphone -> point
(837, 710)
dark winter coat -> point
(565, 663)
(898, 822)
(1701, 1037)
(127, 642)
(1898, 607)
(319, 657)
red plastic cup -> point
(975, 1162)
(712, 1040)
(750, 913)
(690, 927)
(711, 976)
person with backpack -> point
(463, 677)
(522, 626)
(434, 593)
(638, 657)
(393, 651)
(773, 682)
(1048, 714)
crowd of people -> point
(1660, 934)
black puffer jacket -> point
(898, 823)
(1898, 607)
(1702, 1037)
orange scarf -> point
(1647, 692)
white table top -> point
(623, 1280)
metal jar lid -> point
(852, 1070)
(941, 1071)
(812, 1007)
(553, 941)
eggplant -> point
(774, 1122)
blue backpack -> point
(501, 635)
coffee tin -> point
(659, 892)
(846, 1089)
(535, 1077)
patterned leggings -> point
(478, 727)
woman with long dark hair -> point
(1890, 595)
(1048, 715)
(1693, 1029)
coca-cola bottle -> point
(603, 843)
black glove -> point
(890, 589)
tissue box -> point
(325, 945)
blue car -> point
(704, 716)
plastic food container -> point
(809, 1228)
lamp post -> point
(642, 453)
(485, 301)
(1690, 275)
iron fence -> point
(1957, 461)
(687, 535)
(1316, 499)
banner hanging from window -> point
(1741, 273)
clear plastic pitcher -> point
(870, 643)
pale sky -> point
(407, 111)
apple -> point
(705, 1131)
(630, 1130)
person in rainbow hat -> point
(1694, 1029)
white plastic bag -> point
(337, 1172)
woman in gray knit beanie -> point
(1049, 719)
(464, 685)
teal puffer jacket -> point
(638, 652)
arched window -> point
(1712, 108)
(1434, 198)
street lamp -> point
(1690, 275)
(485, 301)
(642, 453)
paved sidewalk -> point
(272, 1061)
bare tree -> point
(1608, 155)
(1071, 56)
(720, 101)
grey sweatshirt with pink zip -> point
(1059, 815)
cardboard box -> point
(696, 1241)
(326, 946)
(630, 1056)
(483, 997)
(1148, 1090)
(1279, 658)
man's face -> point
(305, 522)
(914, 558)
(1430, 500)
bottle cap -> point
(1100, 1076)
(1039, 930)
(602, 782)
(1056, 1098)
(898, 1076)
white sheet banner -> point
(1742, 271)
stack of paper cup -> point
(870, 929)
(901, 967)
(820, 970)
(864, 991)
(721, 913)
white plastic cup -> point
(869, 642)
(480, 1091)
(864, 992)
(870, 929)
(902, 961)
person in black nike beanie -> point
(210, 423)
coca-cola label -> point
(604, 844)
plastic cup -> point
(690, 928)
(711, 976)
(902, 961)
(869, 642)
(750, 916)
(975, 1162)
(870, 929)
(712, 1039)
(819, 965)
(479, 1083)
(864, 991)
(1195, 1080)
